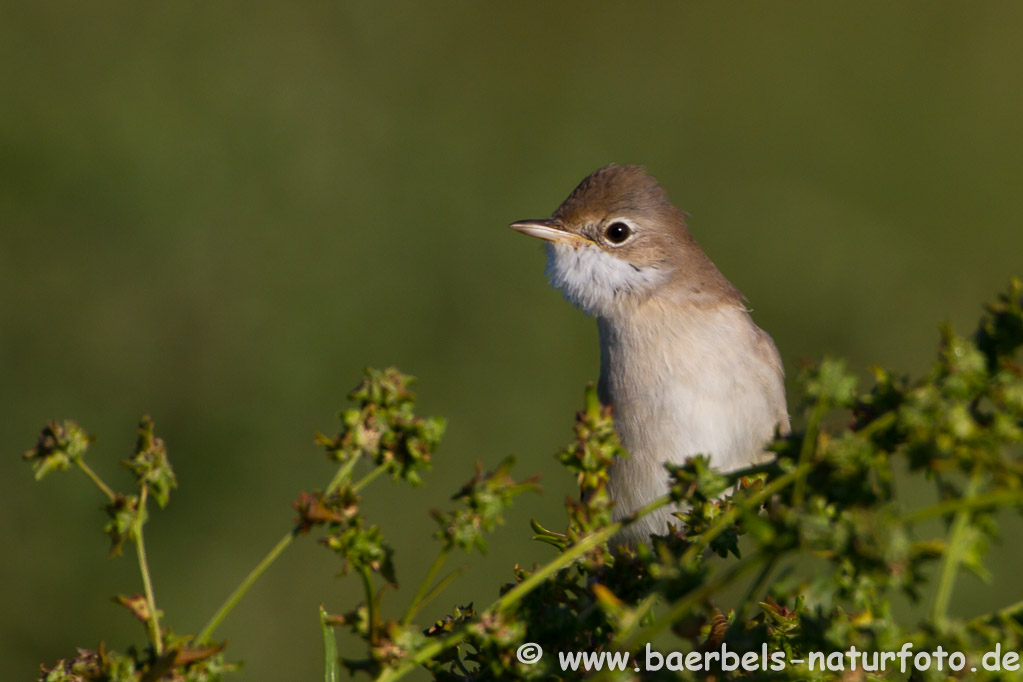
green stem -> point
(343, 474)
(1010, 610)
(767, 467)
(806, 449)
(569, 556)
(331, 667)
(371, 604)
(1005, 612)
(564, 559)
(95, 479)
(244, 586)
(637, 614)
(368, 478)
(424, 586)
(686, 603)
(153, 621)
(439, 587)
(755, 587)
(726, 520)
(996, 499)
(1001, 614)
(953, 555)
(583, 546)
(880, 424)
(679, 608)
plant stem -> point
(569, 556)
(681, 606)
(584, 545)
(95, 479)
(638, 614)
(343, 473)
(880, 424)
(1001, 614)
(244, 586)
(1006, 612)
(806, 449)
(764, 467)
(153, 621)
(728, 518)
(371, 604)
(564, 559)
(996, 499)
(439, 587)
(368, 478)
(953, 554)
(755, 587)
(424, 587)
(331, 670)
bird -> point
(684, 368)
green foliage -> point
(123, 512)
(383, 428)
(588, 457)
(60, 444)
(819, 538)
(166, 656)
(484, 499)
(149, 464)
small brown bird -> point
(684, 368)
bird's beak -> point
(551, 230)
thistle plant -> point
(801, 554)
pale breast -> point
(701, 381)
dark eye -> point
(617, 233)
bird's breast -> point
(692, 383)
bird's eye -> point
(618, 233)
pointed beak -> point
(550, 230)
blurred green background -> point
(218, 214)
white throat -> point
(596, 281)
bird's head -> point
(616, 241)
